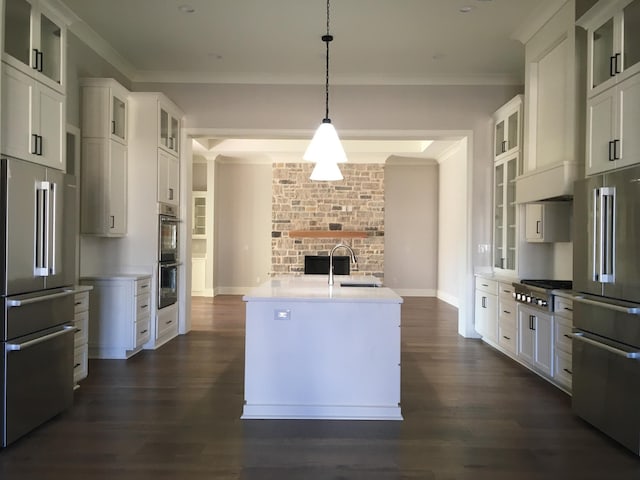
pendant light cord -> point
(327, 39)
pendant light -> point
(325, 146)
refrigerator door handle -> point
(51, 264)
(616, 351)
(41, 232)
(595, 251)
(13, 347)
(41, 298)
(607, 234)
(608, 306)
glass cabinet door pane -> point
(512, 141)
(50, 45)
(499, 138)
(510, 207)
(631, 16)
(119, 114)
(498, 225)
(164, 128)
(17, 30)
(174, 134)
(602, 52)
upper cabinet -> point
(505, 234)
(169, 129)
(508, 128)
(613, 42)
(34, 41)
(613, 86)
(104, 109)
(33, 119)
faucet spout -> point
(354, 259)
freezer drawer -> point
(38, 380)
(606, 390)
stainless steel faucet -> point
(354, 259)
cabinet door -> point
(119, 118)
(199, 228)
(534, 221)
(17, 31)
(168, 178)
(601, 127)
(50, 37)
(486, 315)
(631, 37)
(50, 120)
(526, 333)
(544, 343)
(629, 97)
(117, 189)
(602, 43)
(17, 112)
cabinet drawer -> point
(563, 335)
(142, 305)
(563, 307)
(507, 312)
(507, 338)
(166, 325)
(143, 286)
(81, 302)
(143, 331)
(81, 322)
(80, 363)
(485, 285)
(563, 369)
(506, 292)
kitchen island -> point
(316, 351)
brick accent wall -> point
(355, 203)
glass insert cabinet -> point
(505, 221)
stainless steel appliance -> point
(37, 223)
(606, 346)
(168, 256)
(539, 293)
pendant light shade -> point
(325, 148)
(327, 171)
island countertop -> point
(315, 288)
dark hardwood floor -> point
(174, 413)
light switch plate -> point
(282, 314)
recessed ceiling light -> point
(466, 9)
(186, 9)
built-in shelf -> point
(327, 234)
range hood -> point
(548, 183)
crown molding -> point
(533, 24)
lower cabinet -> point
(507, 318)
(81, 338)
(119, 315)
(535, 339)
(486, 307)
(562, 364)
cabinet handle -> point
(144, 306)
(40, 145)
(568, 371)
(113, 221)
(113, 127)
(617, 63)
(568, 309)
(611, 153)
(40, 61)
(144, 331)
(505, 337)
(484, 302)
(507, 311)
(169, 322)
(171, 194)
(532, 319)
(612, 67)
(34, 144)
(504, 146)
(616, 150)
(34, 63)
(77, 365)
(538, 223)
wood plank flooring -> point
(174, 413)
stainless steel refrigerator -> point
(37, 230)
(606, 346)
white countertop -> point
(315, 288)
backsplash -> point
(355, 203)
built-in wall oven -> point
(168, 260)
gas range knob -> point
(542, 303)
(515, 295)
(529, 298)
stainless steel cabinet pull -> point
(538, 223)
(507, 311)
(612, 67)
(508, 338)
(568, 371)
(144, 331)
(616, 351)
(43, 298)
(113, 221)
(13, 347)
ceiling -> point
(399, 42)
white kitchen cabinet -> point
(104, 109)
(507, 318)
(103, 209)
(612, 119)
(505, 235)
(198, 274)
(508, 128)
(486, 308)
(35, 41)
(168, 178)
(119, 315)
(563, 323)
(81, 338)
(535, 339)
(613, 43)
(166, 325)
(199, 211)
(548, 222)
(33, 120)
(169, 128)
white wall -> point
(242, 225)
(452, 231)
(411, 226)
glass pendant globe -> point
(325, 146)
(326, 171)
